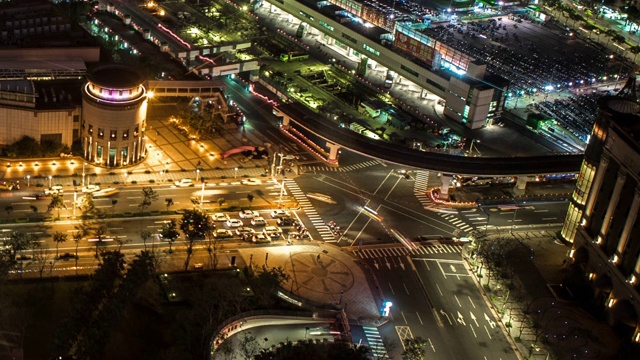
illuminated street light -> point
(235, 176)
(50, 177)
(28, 177)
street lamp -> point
(202, 195)
(235, 175)
(197, 174)
(50, 177)
(28, 177)
(515, 211)
(83, 165)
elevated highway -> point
(295, 114)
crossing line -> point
(309, 210)
(362, 165)
(403, 251)
(374, 341)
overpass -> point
(178, 88)
(337, 137)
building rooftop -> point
(117, 76)
(626, 117)
(58, 94)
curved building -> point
(114, 113)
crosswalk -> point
(319, 168)
(420, 187)
(315, 219)
(403, 251)
(455, 220)
(375, 343)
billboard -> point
(414, 47)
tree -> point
(221, 201)
(58, 238)
(9, 210)
(148, 197)
(195, 225)
(145, 235)
(414, 348)
(56, 203)
(19, 242)
(195, 201)
(77, 237)
(99, 233)
(168, 202)
(114, 202)
(266, 284)
(170, 232)
(40, 256)
(250, 197)
(316, 351)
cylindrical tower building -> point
(114, 113)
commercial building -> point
(399, 41)
(114, 113)
(602, 220)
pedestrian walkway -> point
(455, 220)
(403, 251)
(374, 342)
(420, 187)
(319, 168)
(319, 273)
(306, 206)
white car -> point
(55, 190)
(90, 188)
(233, 223)
(272, 232)
(276, 214)
(184, 183)
(223, 234)
(245, 230)
(251, 181)
(220, 217)
(260, 238)
(258, 221)
(248, 214)
(105, 192)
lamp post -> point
(50, 177)
(202, 195)
(235, 174)
(515, 211)
(28, 177)
(197, 174)
(83, 165)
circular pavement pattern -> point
(323, 274)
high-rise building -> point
(602, 220)
(114, 113)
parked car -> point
(273, 232)
(260, 238)
(198, 266)
(278, 213)
(184, 183)
(248, 214)
(54, 190)
(251, 181)
(234, 223)
(258, 221)
(243, 230)
(285, 221)
(220, 217)
(223, 234)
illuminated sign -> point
(414, 47)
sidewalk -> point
(542, 324)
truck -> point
(293, 56)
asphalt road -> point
(434, 297)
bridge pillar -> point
(444, 188)
(286, 121)
(333, 151)
(521, 185)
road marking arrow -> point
(401, 263)
(388, 264)
(375, 263)
(453, 268)
(473, 317)
(447, 315)
(491, 322)
(461, 318)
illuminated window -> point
(113, 135)
(100, 133)
(125, 134)
(90, 130)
